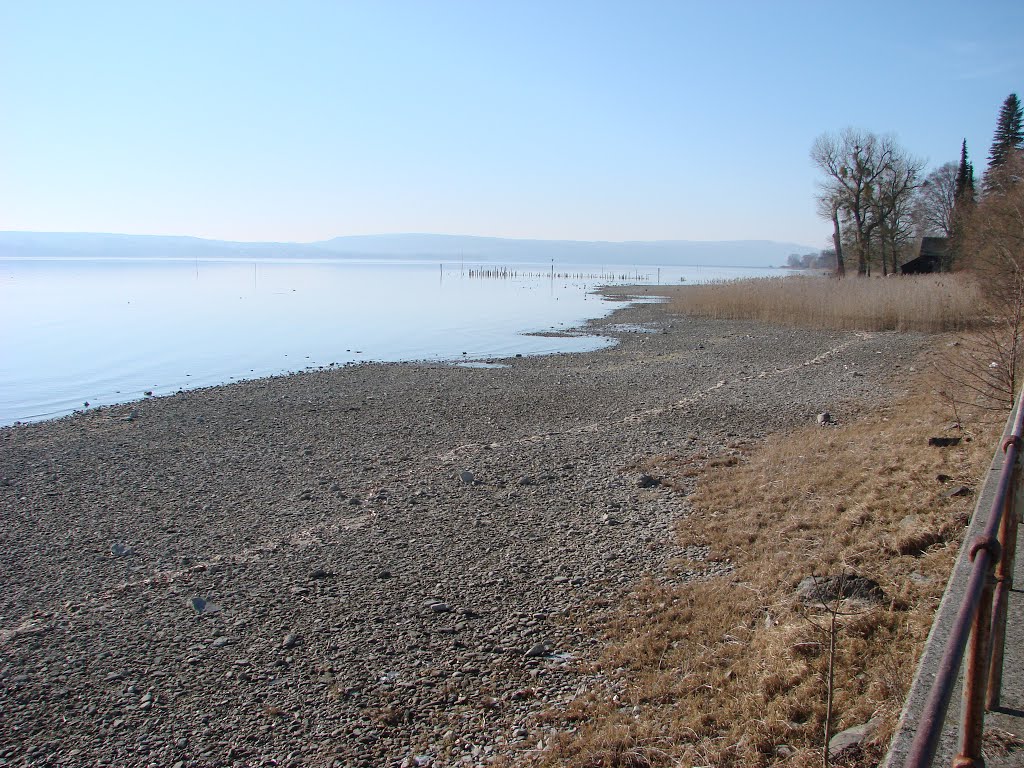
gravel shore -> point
(379, 565)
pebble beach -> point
(377, 565)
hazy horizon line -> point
(394, 234)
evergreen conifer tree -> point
(1009, 131)
(964, 202)
(964, 179)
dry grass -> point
(728, 671)
(929, 303)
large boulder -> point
(823, 590)
(852, 737)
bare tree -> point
(829, 207)
(893, 205)
(936, 199)
(854, 165)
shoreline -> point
(395, 556)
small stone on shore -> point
(537, 650)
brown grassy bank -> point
(929, 303)
(730, 671)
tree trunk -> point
(830, 684)
(837, 242)
(863, 269)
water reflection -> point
(108, 331)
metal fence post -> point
(986, 549)
(1004, 581)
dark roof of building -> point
(934, 246)
(928, 259)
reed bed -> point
(926, 303)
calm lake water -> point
(106, 332)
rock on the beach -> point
(537, 650)
(466, 477)
(200, 605)
(646, 481)
(826, 589)
(852, 737)
(960, 490)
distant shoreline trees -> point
(824, 259)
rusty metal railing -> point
(981, 620)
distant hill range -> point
(472, 250)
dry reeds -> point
(731, 671)
(928, 303)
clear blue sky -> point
(579, 120)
